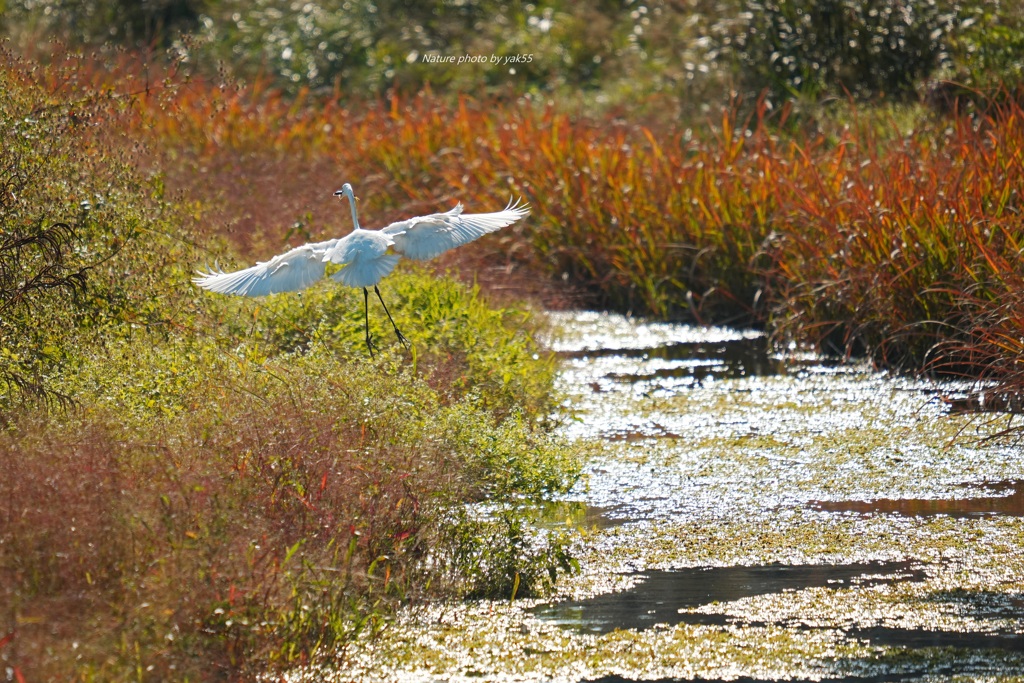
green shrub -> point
(70, 215)
(987, 58)
(508, 558)
(127, 22)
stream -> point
(753, 516)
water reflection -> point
(744, 357)
(662, 597)
(589, 331)
(713, 448)
(577, 515)
(1010, 505)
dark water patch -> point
(977, 604)
(994, 401)
(877, 678)
(981, 604)
(1007, 505)
(921, 638)
(659, 596)
(732, 358)
(640, 432)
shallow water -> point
(753, 516)
(1009, 500)
(664, 597)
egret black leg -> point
(398, 333)
(366, 319)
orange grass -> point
(902, 246)
(642, 221)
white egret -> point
(365, 256)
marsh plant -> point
(227, 486)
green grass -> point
(288, 506)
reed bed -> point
(865, 239)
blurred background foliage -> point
(808, 48)
(609, 53)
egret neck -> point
(346, 191)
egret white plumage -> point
(365, 256)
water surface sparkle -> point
(753, 516)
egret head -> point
(346, 191)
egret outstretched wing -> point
(429, 236)
(287, 272)
(364, 257)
